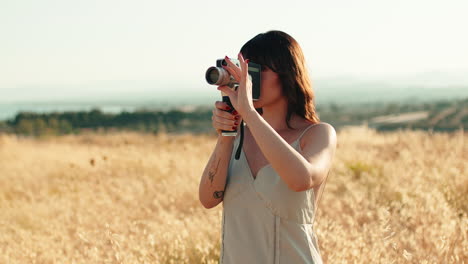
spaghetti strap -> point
(307, 128)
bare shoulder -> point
(322, 135)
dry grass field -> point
(399, 197)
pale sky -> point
(170, 44)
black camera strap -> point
(241, 140)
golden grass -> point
(398, 197)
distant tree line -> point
(38, 124)
(442, 116)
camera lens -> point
(218, 76)
(212, 75)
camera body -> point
(219, 76)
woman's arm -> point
(299, 172)
(213, 181)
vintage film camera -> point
(217, 75)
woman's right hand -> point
(223, 120)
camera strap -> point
(241, 140)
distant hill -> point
(423, 86)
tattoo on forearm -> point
(213, 171)
(218, 194)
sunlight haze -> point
(164, 46)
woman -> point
(269, 194)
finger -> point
(232, 72)
(240, 57)
(225, 115)
(233, 66)
(217, 125)
(222, 105)
(225, 125)
(228, 128)
(225, 121)
(243, 64)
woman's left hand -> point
(242, 98)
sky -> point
(163, 46)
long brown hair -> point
(282, 54)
